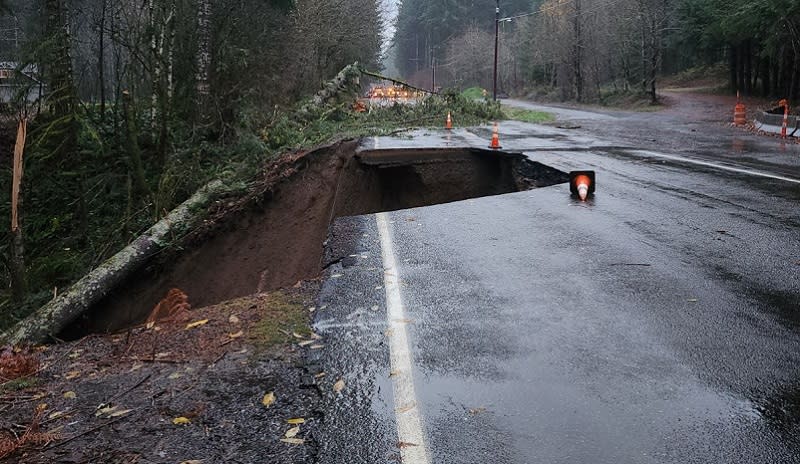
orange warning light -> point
(582, 184)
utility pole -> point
(433, 76)
(496, 47)
(577, 50)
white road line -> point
(407, 415)
(717, 166)
(750, 172)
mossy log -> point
(52, 318)
(347, 83)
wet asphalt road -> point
(657, 323)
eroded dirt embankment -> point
(229, 382)
(273, 237)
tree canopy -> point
(583, 46)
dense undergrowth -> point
(80, 209)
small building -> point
(13, 81)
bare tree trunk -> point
(59, 60)
(748, 67)
(155, 59)
(203, 56)
(734, 68)
(655, 59)
(793, 82)
(19, 281)
(577, 61)
(162, 82)
(644, 58)
(171, 57)
(101, 61)
(132, 144)
(19, 277)
(63, 97)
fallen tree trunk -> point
(397, 82)
(347, 82)
(53, 317)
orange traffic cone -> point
(495, 138)
(581, 183)
(739, 112)
(449, 123)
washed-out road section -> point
(656, 323)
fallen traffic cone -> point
(449, 123)
(495, 138)
(739, 112)
(581, 183)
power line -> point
(543, 10)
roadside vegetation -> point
(159, 98)
(519, 114)
(474, 93)
(60, 249)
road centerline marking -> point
(410, 435)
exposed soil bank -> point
(273, 237)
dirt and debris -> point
(273, 236)
(267, 239)
(17, 363)
(228, 382)
(186, 389)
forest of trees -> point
(144, 102)
(170, 50)
(583, 48)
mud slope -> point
(274, 236)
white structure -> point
(13, 81)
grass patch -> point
(535, 117)
(22, 383)
(473, 93)
(282, 316)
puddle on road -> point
(275, 238)
(486, 133)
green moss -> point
(535, 117)
(22, 383)
(282, 316)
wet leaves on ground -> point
(268, 399)
(406, 408)
(196, 324)
(338, 386)
(293, 441)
